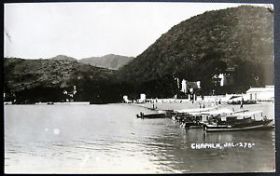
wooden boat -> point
(205, 116)
(188, 120)
(193, 118)
(152, 116)
(153, 109)
(239, 122)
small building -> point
(125, 99)
(261, 93)
(190, 87)
(193, 86)
(225, 78)
(142, 98)
(69, 95)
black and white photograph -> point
(139, 88)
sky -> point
(80, 30)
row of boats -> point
(216, 119)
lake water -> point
(110, 139)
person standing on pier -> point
(241, 104)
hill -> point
(201, 46)
(46, 79)
(63, 57)
(110, 61)
(238, 39)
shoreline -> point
(266, 107)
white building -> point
(219, 79)
(189, 86)
(198, 84)
(178, 82)
(261, 93)
(142, 98)
(222, 81)
(125, 99)
(184, 86)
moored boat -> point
(240, 121)
(194, 118)
(151, 116)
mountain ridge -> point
(23, 74)
(111, 61)
(195, 50)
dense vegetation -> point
(195, 49)
(199, 47)
(45, 79)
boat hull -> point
(257, 125)
(151, 116)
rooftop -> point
(261, 89)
